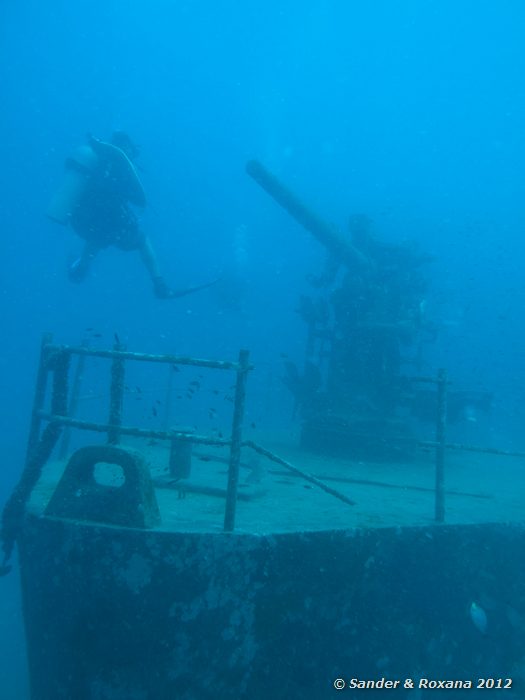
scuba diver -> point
(101, 183)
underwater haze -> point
(410, 112)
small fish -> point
(138, 390)
(252, 425)
(154, 411)
(478, 617)
(195, 383)
(153, 442)
(205, 458)
(215, 391)
(469, 413)
(117, 339)
(175, 368)
(97, 335)
(284, 355)
(89, 329)
(179, 396)
(158, 402)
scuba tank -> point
(79, 168)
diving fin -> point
(176, 293)
(162, 291)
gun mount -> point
(327, 234)
(359, 330)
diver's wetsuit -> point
(103, 216)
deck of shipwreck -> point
(480, 488)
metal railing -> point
(56, 360)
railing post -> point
(116, 396)
(235, 451)
(73, 401)
(40, 451)
(441, 426)
(40, 394)
(60, 366)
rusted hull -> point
(114, 613)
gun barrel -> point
(327, 234)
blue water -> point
(411, 111)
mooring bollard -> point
(180, 455)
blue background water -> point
(411, 111)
